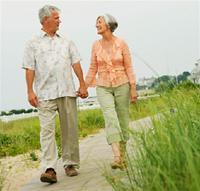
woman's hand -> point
(133, 94)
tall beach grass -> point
(167, 156)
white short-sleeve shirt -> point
(51, 58)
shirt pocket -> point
(64, 55)
(42, 50)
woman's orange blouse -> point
(114, 69)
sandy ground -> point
(17, 171)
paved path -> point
(95, 155)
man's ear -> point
(44, 20)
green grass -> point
(21, 136)
(148, 107)
(1, 177)
(166, 157)
(90, 121)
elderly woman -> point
(116, 84)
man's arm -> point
(32, 98)
(82, 92)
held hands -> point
(32, 98)
(82, 92)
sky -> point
(162, 34)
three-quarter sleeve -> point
(90, 79)
(128, 63)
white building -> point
(195, 73)
(146, 82)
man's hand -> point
(82, 92)
(32, 98)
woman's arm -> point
(90, 79)
(129, 70)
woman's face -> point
(101, 25)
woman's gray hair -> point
(46, 12)
(110, 21)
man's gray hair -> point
(110, 21)
(46, 12)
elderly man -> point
(48, 62)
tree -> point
(29, 111)
(183, 77)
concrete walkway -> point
(94, 154)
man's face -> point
(52, 22)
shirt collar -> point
(44, 34)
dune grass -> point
(166, 157)
(21, 136)
(1, 177)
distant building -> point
(195, 73)
(145, 83)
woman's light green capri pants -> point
(114, 102)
